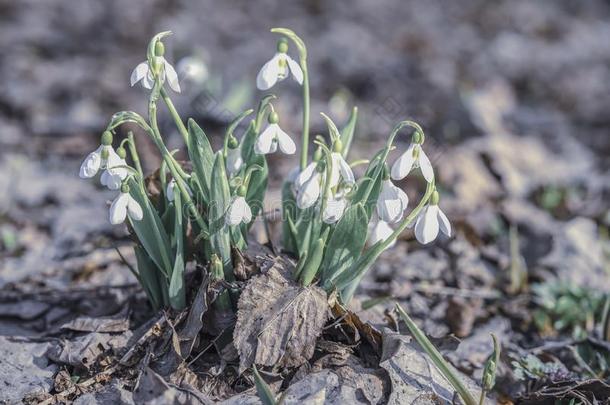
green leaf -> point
(443, 366)
(313, 262)
(177, 294)
(257, 189)
(347, 133)
(346, 242)
(263, 390)
(149, 276)
(289, 229)
(202, 157)
(150, 231)
(220, 236)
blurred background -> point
(514, 97)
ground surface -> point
(513, 95)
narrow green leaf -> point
(263, 390)
(202, 157)
(177, 294)
(346, 242)
(220, 236)
(149, 276)
(437, 358)
(347, 133)
(310, 270)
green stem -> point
(174, 113)
(482, 397)
(134, 153)
(306, 101)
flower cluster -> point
(214, 198)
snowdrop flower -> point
(124, 204)
(340, 170)
(430, 220)
(335, 207)
(380, 231)
(391, 203)
(145, 73)
(171, 189)
(413, 157)
(234, 160)
(278, 68)
(273, 136)
(239, 211)
(308, 186)
(101, 158)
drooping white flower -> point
(340, 170)
(238, 212)
(335, 207)
(171, 189)
(144, 73)
(308, 186)
(271, 137)
(278, 68)
(380, 231)
(234, 160)
(392, 202)
(123, 205)
(98, 159)
(413, 157)
(428, 223)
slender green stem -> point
(306, 101)
(482, 397)
(134, 153)
(174, 113)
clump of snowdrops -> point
(213, 201)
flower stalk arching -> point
(306, 98)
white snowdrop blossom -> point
(124, 204)
(101, 158)
(335, 207)
(380, 231)
(144, 73)
(171, 189)
(340, 170)
(238, 212)
(234, 160)
(428, 223)
(271, 137)
(277, 69)
(392, 202)
(413, 157)
(115, 173)
(308, 186)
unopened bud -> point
(417, 138)
(338, 146)
(121, 152)
(124, 188)
(233, 143)
(106, 138)
(317, 154)
(242, 191)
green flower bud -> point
(159, 49)
(417, 138)
(233, 142)
(273, 118)
(124, 188)
(121, 152)
(435, 198)
(242, 190)
(317, 154)
(337, 146)
(282, 45)
(106, 138)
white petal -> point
(309, 193)
(444, 223)
(334, 210)
(133, 209)
(295, 69)
(403, 164)
(148, 81)
(426, 228)
(238, 211)
(264, 144)
(91, 165)
(305, 175)
(425, 166)
(112, 159)
(391, 203)
(285, 141)
(234, 160)
(111, 179)
(139, 73)
(169, 190)
(380, 232)
(346, 171)
(118, 209)
(246, 212)
(172, 77)
(268, 74)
